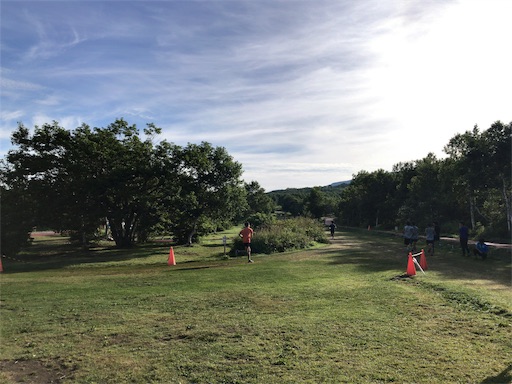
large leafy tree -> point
(316, 202)
(423, 194)
(16, 220)
(88, 176)
(210, 190)
(257, 200)
(499, 164)
(83, 177)
(481, 163)
(126, 177)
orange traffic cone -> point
(423, 261)
(1, 266)
(411, 269)
(171, 260)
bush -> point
(259, 220)
(285, 235)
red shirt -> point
(246, 234)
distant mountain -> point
(337, 184)
(334, 187)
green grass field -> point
(341, 313)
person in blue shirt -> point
(463, 238)
(481, 249)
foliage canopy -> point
(81, 179)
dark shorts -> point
(407, 241)
(247, 245)
(430, 241)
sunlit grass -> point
(340, 313)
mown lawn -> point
(336, 314)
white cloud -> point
(301, 93)
(15, 85)
(11, 115)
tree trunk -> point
(192, 233)
(507, 198)
(83, 234)
(471, 209)
(121, 232)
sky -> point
(302, 93)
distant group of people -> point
(432, 236)
(412, 234)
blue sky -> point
(301, 93)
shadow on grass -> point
(381, 252)
(503, 377)
(56, 253)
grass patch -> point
(332, 314)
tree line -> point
(121, 179)
(472, 184)
(138, 186)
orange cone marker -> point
(411, 269)
(171, 260)
(1, 266)
(423, 260)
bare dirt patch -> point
(34, 372)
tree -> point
(482, 164)
(126, 177)
(209, 192)
(16, 220)
(368, 199)
(499, 165)
(37, 169)
(257, 200)
(292, 203)
(427, 195)
(316, 203)
(84, 177)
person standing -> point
(415, 235)
(246, 234)
(430, 235)
(408, 236)
(437, 236)
(463, 238)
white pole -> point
(418, 264)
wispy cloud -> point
(301, 93)
(15, 85)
